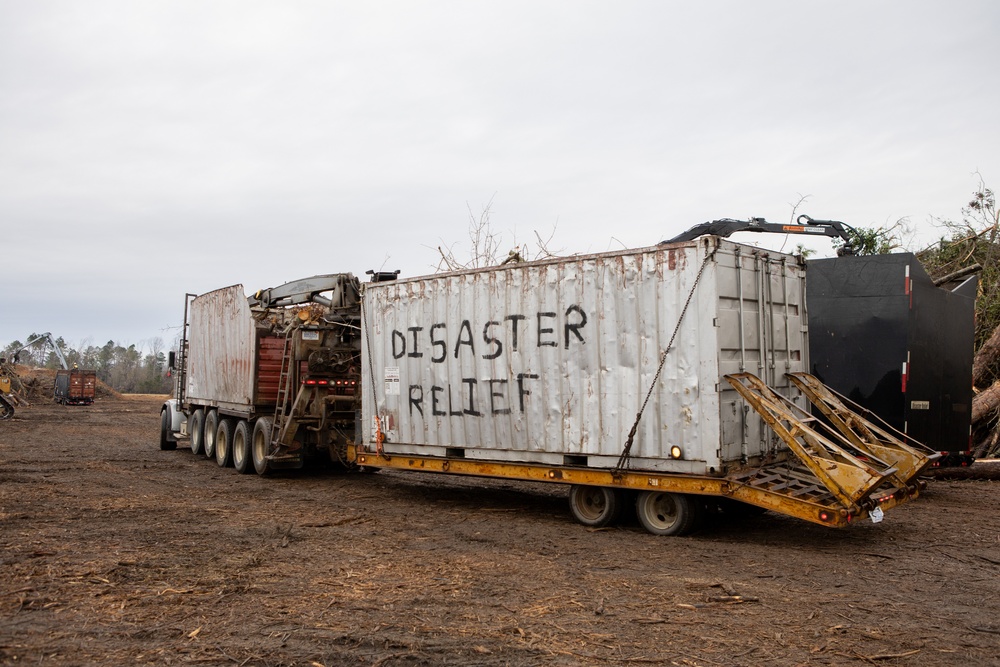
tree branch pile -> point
(486, 246)
(973, 246)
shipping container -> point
(75, 386)
(550, 362)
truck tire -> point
(242, 444)
(165, 443)
(211, 426)
(224, 443)
(595, 506)
(663, 513)
(196, 430)
(261, 444)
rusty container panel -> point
(269, 369)
(222, 352)
(84, 385)
(75, 386)
(549, 362)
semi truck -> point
(671, 378)
(265, 382)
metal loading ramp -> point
(846, 469)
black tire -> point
(166, 443)
(595, 506)
(261, 445)
(224, 443)
(6, 409)
(242, 444)
(196, 429)
(211, 426)
(663, 513)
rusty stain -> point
(687, 415)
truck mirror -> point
(171, 359)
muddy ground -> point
(114, 552)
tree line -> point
(129, 370)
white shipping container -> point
(549, 362)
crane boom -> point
(305, 291)
(806, 225)
(52, 341)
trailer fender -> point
(176, 419)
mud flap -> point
(848, 474)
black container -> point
(882, 334)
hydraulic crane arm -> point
(806, 225)
(341, 285)
(52, 341)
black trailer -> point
(885, 336)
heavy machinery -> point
(72, 386)
(10, 383)
(266, 381)
(728, 226)
(52, 342)
(674, 376)
(8, 395)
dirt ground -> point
(114, 552)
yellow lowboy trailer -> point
(625, 374)
(834, 479)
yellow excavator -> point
(8, 382)
(11, 389)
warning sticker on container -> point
(392, 380)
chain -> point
(627, 450)
(379, 437)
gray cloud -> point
(152, 149)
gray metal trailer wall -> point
(543, 361)
(222, 352)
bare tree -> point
(486, 245)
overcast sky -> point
(148, 149)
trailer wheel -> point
(595, 506)
(211, 427)
(196, 429)
(663, 513)
(242, 439)
(261, 445)
(224, 443)
(165, 443)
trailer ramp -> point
(842, 471)
(866, 436)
